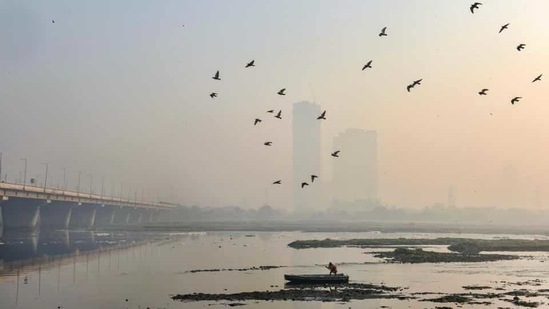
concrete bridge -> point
(29, 207)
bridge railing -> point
(10, 189)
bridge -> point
(29, 207)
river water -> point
(87, 270)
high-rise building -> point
(355, 171)
(306, 153)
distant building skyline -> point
(355, 173)
(306, 153)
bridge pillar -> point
(83, 216)
(135, 216)
(121, 216)
(104, 216)
(19, 213)
(56, 215)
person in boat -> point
(333, 269)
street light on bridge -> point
(91, 185)
(102, 186)
(25, 173)
(46, 179)
(64, 178)
(78, 186)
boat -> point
(317, 278)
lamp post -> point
(64, 179)
(1, 155)
(102, 186)
(91, 185)
(46, 179)
(25, 173)
(78, 186)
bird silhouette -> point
(268, 143)
(521, 47)
(483, 92)
(216, 77)
(537, 78)
(270, 111)
(475, 6)
(335, 154)
(53, 21)
(322, 116)
(278, 182)
(382, 33)
(250, 64)
(279, 115)
(213, 95)
(415, 83)
(367, 65)
(303, 184)
(503, 27)
(257, 120)
(515, 100)
(313, 177)
(281, 92)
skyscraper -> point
(306, 153)
(355, 172)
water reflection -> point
(52, 261)
(20, 249)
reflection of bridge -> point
(30, 207)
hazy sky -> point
(120, 89)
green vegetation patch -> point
(461, 245)
(403, 255)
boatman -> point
(332, 268)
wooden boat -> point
(317, 278)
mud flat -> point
(234, 269)
(362, 291)
(403, 255)
(463, 245)
(331, 293)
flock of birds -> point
(473, 8)
(278, 115)
(520, 47)
(368, 65)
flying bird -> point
(278, 182)
(281, 92)
(503, 27)
(216, 77)
(279, 114)
(53, 21)
(515, 100)
(521, 47)
(257, 120)
(270, 111)
(537, 78)
(335, 154)
(475, 6)
(303, 184)
(382, 33)
(322, 116)
(483, 92)
(268, 143)
(367, 65)
(250, 64)
(415, 83)
(313, 177)
(213, 95)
